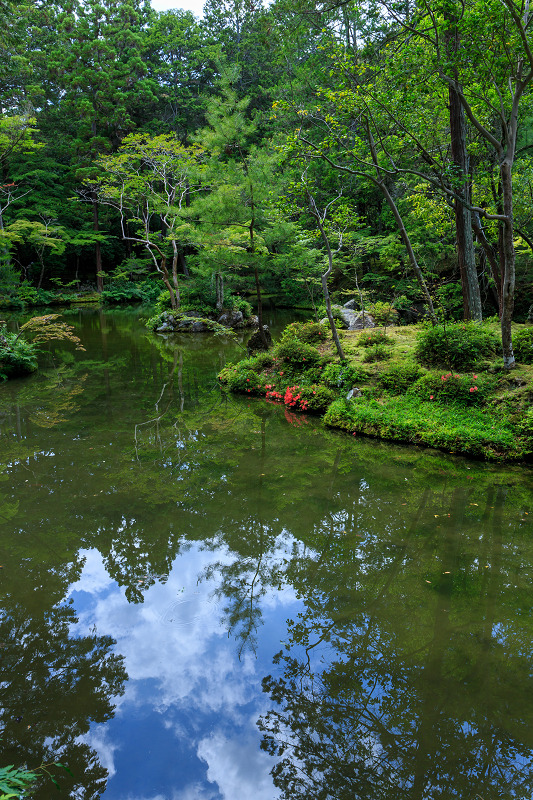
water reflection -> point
(199, 535)
(407, 674)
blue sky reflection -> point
(185, 728)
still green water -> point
(185, 574)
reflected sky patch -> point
(185, 727)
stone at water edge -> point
(256, 342)
(231, 319)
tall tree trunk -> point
(508, 282)
(463, 218)
(410, 252)
(98, 247)
(219, 288)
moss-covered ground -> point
(445, 388)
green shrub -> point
(457, 346)
(377, 353)
(335, 313)
(297, 354)
(382, 313)
(398, 378)
(343, 375)
(310, 332)
(236, 303)
(17, 356)
(462, 390)
(372, 337)
(122, 291)
(262, 361)
(314, 398)
(523, 345)
(240, 378)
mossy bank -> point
(442, 387)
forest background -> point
(145, 152)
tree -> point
(148, 181)
(233, 213)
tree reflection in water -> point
(54, 685)
(395, 685)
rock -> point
(356, 320)
(354, 392)
(164, 327)
(353, 320)
(530, 314)
(256, 342)
(198, 326)
(351, 304)
(252, 322)
(231, 319)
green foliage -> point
(523, 345)
(372, 337)
(261, 361)
(382, 313)
(398, 378)
(317, 397)
(241, 378)
(236, 303)
(450, 388)
(297, 354)
(310, 332)
(343, 375)
(457, 346)
(14, 781)
(124, 291)
(377, 352)
(335, 313)
(409, 419)
(17, 356)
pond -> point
(209, 598)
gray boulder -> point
(351, 304)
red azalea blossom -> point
(431, 397)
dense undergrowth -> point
(442, 386)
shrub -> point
(398, 378)
(122, 291)
(310, 332)
(297, 354)
(377, 353)
(335, 313)
(458, 346)
(373, 337)
(314, 398)
(523, 345)
(462, 390)
(382, 313)
(240, 378)
(239, 304)
(17, 356)
(262, 361)
(343, 375)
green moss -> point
(471, 432)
